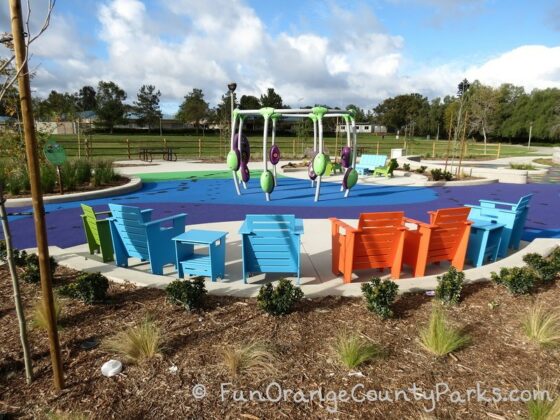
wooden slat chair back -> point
(98, 232)
(445, 238)
(271, 244)
(135, 235)
(377, 243)
(512, 215)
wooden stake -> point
(36, 193)
(15, 285)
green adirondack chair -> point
(98, 232)
(386, 170)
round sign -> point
(54, 153)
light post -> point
(530, 134)
(231, 87)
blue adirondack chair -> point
(271, 244)
(511, 215)
(135, 235)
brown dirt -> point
(121, 180)
(499, 356)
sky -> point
(331, 52)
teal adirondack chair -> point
(511, 215)
(370, 163)
(135, 235)
(98, 232)
(386, 170)
(271, 244)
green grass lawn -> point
(191, 146)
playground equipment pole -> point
(274, 117)
(354, 151)
(265, 160)
(314, 119)
(240, 132)
(21, 54)
(231, 87)
(320, 123)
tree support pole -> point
(20, 50)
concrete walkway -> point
(317, 278)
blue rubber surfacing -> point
(215, 200)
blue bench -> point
(271, 244)
(370, 162)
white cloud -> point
(356, 63)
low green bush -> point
(31, 272)
(68, 175)
(421, 169)
(279, 300)
(17, 181)
(19, 256)
(48, 178)
(546, 268)
(450, 286)
(380, 295)
(406, 167)
(438, 174)
(89, 287)
(82, 171)
(191, 294)
(518, 280)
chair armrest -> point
(299, 227)
(100, 213)
(244, 229)
(339, 223)
(166, 219)
(494, 203)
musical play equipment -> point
(320, 164)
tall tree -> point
(249, 102)
(110, 105)
(359, 114)
(193, 109)
(271, 99)
(482, 106)
(147, 106)
(87, 100)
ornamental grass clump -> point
(439, 338)
(39, 319)
(542, 326)
(380, 296)
(138, 343)
(254, 357)
(543, 409)
(352, 350)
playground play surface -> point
(208, 196)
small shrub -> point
(48, 178)
(421, 169)
(439, 338)
(523, 166)
(19, 256)
(542, 326)
(138, 343)
(68, 176)
(31, 272)
(89, 287)
(191, 294)
(380, 295)
(279, 300)
(518, 280)
(82, 171)
(406, 167)
(39, 316)
(253, 357)
(546, 268)
(543, 409)
(352, 350)
(438, 174)
(450, 286)
(18, 181)
(103, 172)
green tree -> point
(271, 99)
(110, 105)
(359, 114)
(482, 107)
(193, 109)
(87, 99)
(249, 102)
(147, 106)
(410, 111)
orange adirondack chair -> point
(445, 238)
(376, 243)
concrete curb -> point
(134, 184)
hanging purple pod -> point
(345, 156)
(274, 154)
(245, 173)
(245, 149)
(310, 172)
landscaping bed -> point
(499, 356)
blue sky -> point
(333, 51)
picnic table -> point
(147, 155)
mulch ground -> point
(498, 357)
